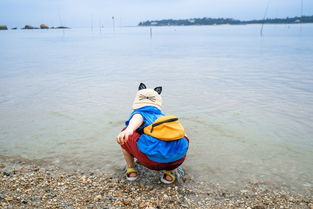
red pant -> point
(131, 147)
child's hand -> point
(133, 125)
(124, 135)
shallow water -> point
(246, 101)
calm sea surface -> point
(246, 101)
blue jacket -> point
(155, 149)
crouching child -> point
(158, 142)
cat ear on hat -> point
(158, 89)
(141, 86)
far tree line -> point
(231, 21)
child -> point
(151, 152)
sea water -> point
(246, 100)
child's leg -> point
(129, 161)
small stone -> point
(95, 184)
(97, 198)
(26, 187)
(2, 165)
(8, 199)
(23, 170)
(84, 179)
(307, 185)
(66, 203)
(24, 201)
(258, 207)
(118, 194)
(142, 205)
(36, 198)
(2, 196)
(126, 202)
(50, 195)
(6, 173)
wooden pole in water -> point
(301, 15)
(61, 22)
(150, 33)
(100, 25)
(265, 14)
(91, 23)
(113, 23)
(301, 9)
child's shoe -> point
(179, 173)
(173, 176)
(129, 171)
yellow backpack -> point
(165, 128)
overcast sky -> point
(80, 13)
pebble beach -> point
(40, 184)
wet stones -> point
(8, 199)
(36, 198)
(97, 198)
(3, 27)
(28, 27)
(43, 26)
(34, 186)
(24, 202)
(66, 204)
(7, 173)
(2, 196)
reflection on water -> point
(245, 101)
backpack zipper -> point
(165, 121)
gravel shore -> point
(37, 184)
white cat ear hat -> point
(148, 97)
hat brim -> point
(136, 106)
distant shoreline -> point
(30, 27)
(225, 21)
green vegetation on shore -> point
(230, 21)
